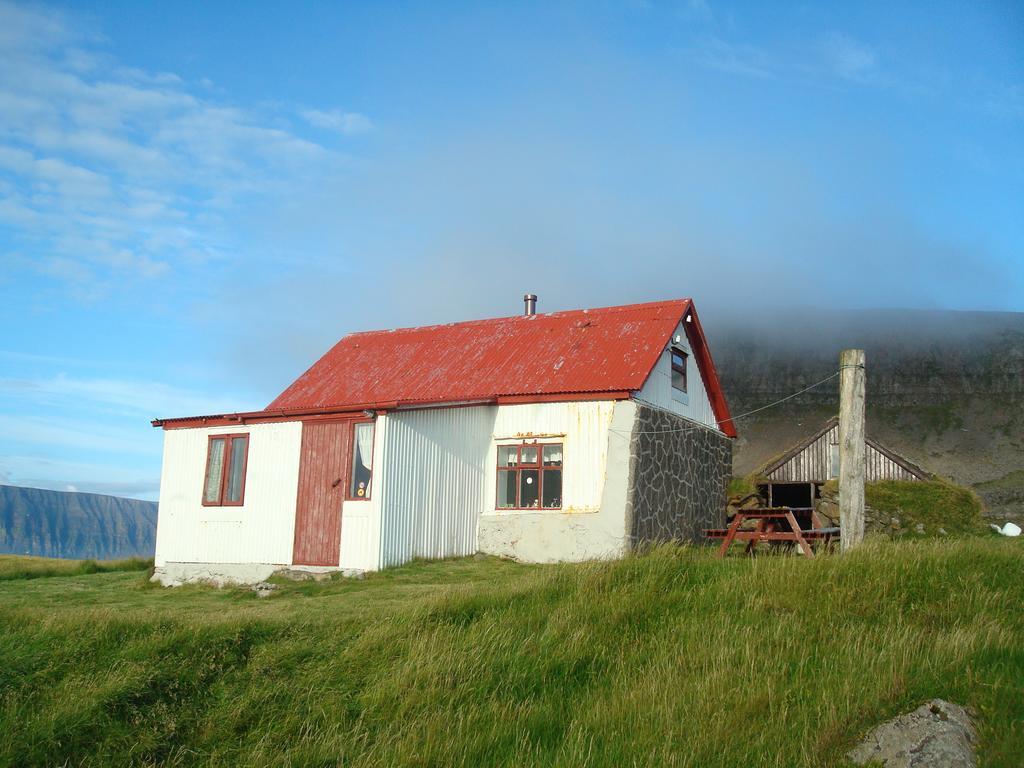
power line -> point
(733, 418)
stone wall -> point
(678, 478)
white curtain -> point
(214, 470)
(552, 454)
(364, 441)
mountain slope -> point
(77, 525)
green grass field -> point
(15, 567)
(671, 658)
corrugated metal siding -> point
(657, 390)
(813, 464)
(432, 488)
(324, 469)
(261, 530)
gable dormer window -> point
(678, 370)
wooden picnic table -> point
(771, 524)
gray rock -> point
(264, 589)
(919, 527)
(297, 574)
(894, 522)
(354, 573)
(943, 532)
(935, 735)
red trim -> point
(343, 413)
(245, 471)
(228, 439)
(351, 477)
(706, 366)
(538, 467)
(357, 412)
(206, 470)
(562, 397)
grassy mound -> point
(18, 567)
(934, 504)
(671, 658)
(741, 486)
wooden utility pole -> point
(851, 448)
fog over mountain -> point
(945, 389)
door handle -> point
(336, 483)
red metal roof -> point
(574, 354)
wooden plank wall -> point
(324, 468)
(812, 464)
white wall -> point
(360, 520)
(658, 391)
(592, 522)
(433, 492)
(260, 531)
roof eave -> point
(355, 410)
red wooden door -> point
(324, 466)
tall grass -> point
(670, 658)
(17, 567)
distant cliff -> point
(75, 525)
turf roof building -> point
(795, 478)
(543, 437)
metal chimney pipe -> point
(531, 304)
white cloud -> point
(89, 477)
(347, 123)
(735, 59)
(699, 9)
(851, 60)
(145, 399)
(25, 26)
(78, 435)
(113, 175)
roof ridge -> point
(557, 313)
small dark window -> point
(226, 460)
(679, 370)
(362, 460)
(529, 476)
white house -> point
(543, 437)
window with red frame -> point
(226, 459)
(529, 476)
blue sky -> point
(197, 199)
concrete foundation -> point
(226, 574)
